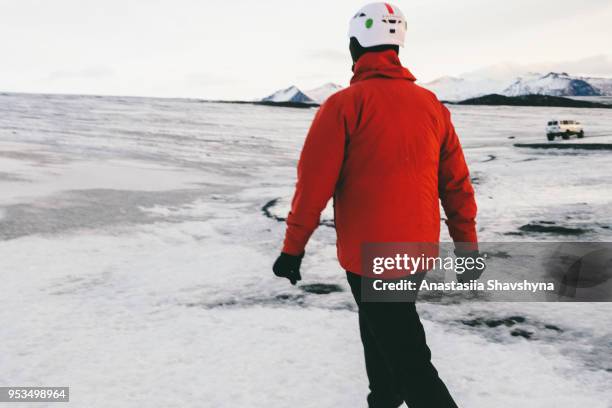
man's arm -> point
(455, 189)
(318, 170)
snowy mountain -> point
(603, 85)
(323, 92)
(472, 85)
(296, 95)
(451, 88)
(459, 88)
(553, 84)
(291, 94)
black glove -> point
(288, 266)
(473, 265)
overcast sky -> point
(245, 49)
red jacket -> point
(386, 150)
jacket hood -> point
(385, 64)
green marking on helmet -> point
(369, 23)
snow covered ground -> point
(135, 260)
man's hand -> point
(473, 263)
(288, 266)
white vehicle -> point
(564, 128)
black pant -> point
(398, 361)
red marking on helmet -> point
(389, 8)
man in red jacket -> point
(386, 151)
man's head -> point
(376, 27)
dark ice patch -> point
(289, 297)
(508, 321)
(478, 178)
(284, 299)
(250, 301)
(321, 288)
(499, 254)
(561, 145)
(547, 228)
(91, 209)
(267, 212)
(517, 326)
(521, 333)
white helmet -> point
(378, 24)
